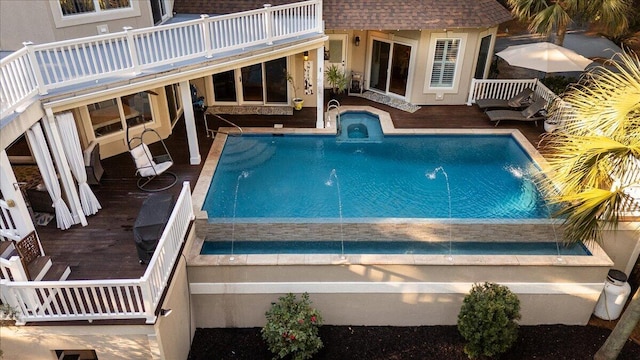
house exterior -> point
(424, 52)
(54, 20)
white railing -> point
(17, 80)
(506, 89)
(498, 89)
(41, 68)
(8, 230)
(106, 299)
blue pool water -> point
(297, 177)
(391, 247)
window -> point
(79, 12)
(73, 7)
(114, 115)
(445, 58)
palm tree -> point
(595, 164)
(549, 16)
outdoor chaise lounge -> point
(531, 113)
(521, 99)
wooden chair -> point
(37, 266)
(33, 261)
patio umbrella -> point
(545, 57)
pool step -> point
(246, 155)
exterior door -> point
(389, 67)
(159, 11)
(335, 51)
(483, 55)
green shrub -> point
(487, 320)
(292, 328)
(558, 84)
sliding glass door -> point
(390, 64)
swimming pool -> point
(230, 288)
(289, 177)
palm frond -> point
(594, 164)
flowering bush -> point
(487, 320)
(292, 328)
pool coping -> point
(599, 257)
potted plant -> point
(297, 102)
(336, 79)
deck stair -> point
(35, 265)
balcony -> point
(134, 56)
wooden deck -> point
(105, 249)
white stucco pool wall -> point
(398, 290)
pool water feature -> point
(359, 126)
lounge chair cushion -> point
(145, 164)
(519, 100)
(531, 113)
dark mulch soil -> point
(555, 342)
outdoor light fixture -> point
(305, 55)
(356, 40)
(165, 312)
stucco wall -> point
(176, 330)
(22, 21)
(123, 342)
(238, 294)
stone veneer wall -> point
(422, 231)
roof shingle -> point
(377, 14)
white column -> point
(15, 200)
(190, 123)
(66, 178)
(320, 88)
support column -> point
(320, 87)
(66, 178)
(14, 201)
(190, 123)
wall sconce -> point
(165, 312)
(305, 55)
(356, 40)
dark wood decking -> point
(105, 249)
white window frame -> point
(462, 37)
(98, 15)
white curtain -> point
(73, 152)
(49, 176)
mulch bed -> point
(542, 342)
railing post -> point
(267, 23)
(472, 92)
(35, 67)
(148, 300)
(206, 35)
(132, 49)
(319, 20)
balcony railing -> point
(40, 68)
(506, 88)
(105, 299)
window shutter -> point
(445, 58)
